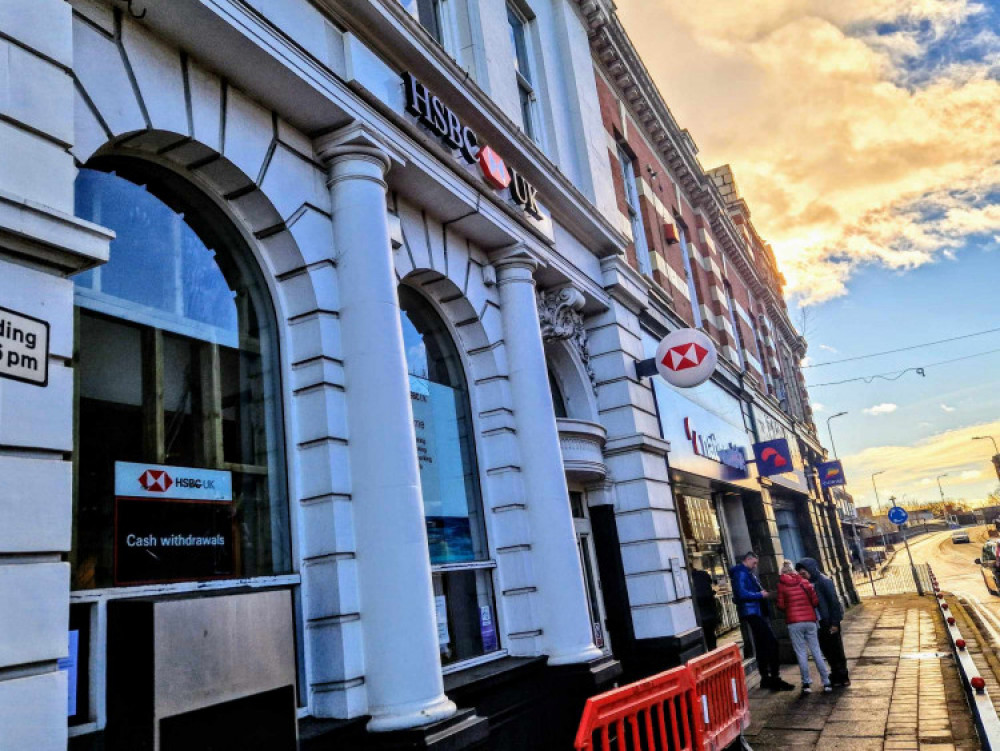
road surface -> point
(957, 573)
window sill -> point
(496, 671)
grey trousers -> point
(805, 637)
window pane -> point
(445, 445)
(466, 614)
(175, 371)
(517, 40)
(429, 13)
(162, 274)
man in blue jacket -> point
(751, 604)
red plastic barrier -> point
(701, 706)
(655, 714)
(721, 687)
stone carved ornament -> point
(560, 318)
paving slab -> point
(905, 693)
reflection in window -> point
(176, 368)
(449, 480)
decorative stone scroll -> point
(560, 318)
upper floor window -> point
(689, 273)
(430, 16)
(518, 25)
(634, 212)
(735, 323)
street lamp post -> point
(988, 438)
(940, 489)
(830, 431)
(878, 504)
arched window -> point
(180, 464)
(449, 480)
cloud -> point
(860, 132)
(946, 408)
(906, 466)
(926, 481)
(828, 348)
(818, 407)
(881, 409)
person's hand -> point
(765, 594)
(834, 629)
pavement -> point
(905, 691)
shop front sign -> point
(431, 112)
(711, 447)
(172, 524)
(686, 358)
(774, 457)
(24, 348)
(831, 474)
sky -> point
(865, 137)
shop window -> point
(449, 479)
(179, 454)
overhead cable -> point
(895, 375)
(901, 349)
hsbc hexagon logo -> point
(494, 169)
(155, 481)
(686, 358)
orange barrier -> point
(721, 687)
(654, 714)
(701, 706)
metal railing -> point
(896, 579)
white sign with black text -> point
(24, 348)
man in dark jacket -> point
(751, 604)
(831, 613)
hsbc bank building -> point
(320, 424)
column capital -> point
(512, 258)
(358, 140)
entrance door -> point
(588, 563)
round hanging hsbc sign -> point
(686, 358)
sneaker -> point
(827, 688)
(780, 685)
(806, 688)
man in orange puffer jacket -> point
(798, 599)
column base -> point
(463, 730)
(583, 657)
(412, 716)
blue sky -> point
(886, 310)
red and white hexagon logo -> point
(155, 481)
(494, 169)
(686, 358)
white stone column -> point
(566, 632)
(402, 663)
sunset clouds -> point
(861, 131)
(912, 469)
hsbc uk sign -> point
(172, 483)
(431, 112)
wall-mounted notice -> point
(441, 613)
(24, 348)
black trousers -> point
(765, 647)
(833, 650)
(708, 627)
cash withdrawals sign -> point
(173, 524)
